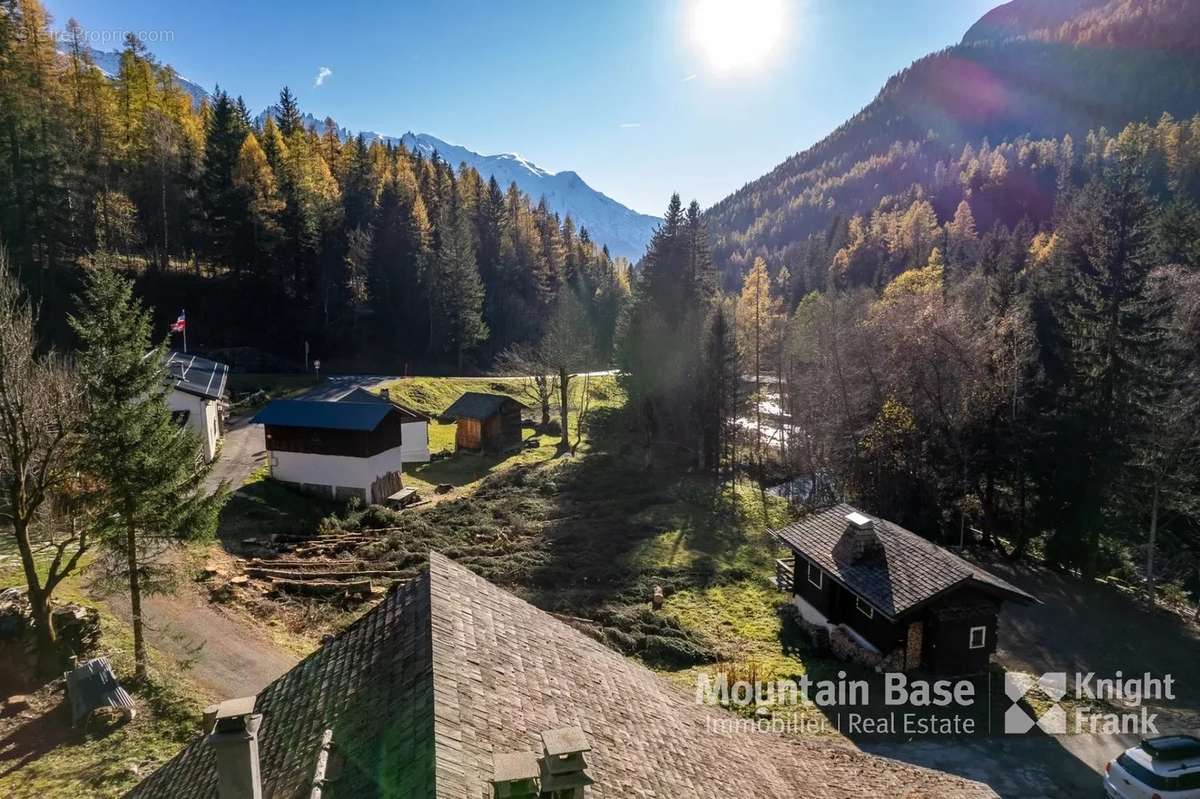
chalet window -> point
(814, 575)
(864, 608)
(978, 637)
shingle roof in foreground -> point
(911, 570)
(449, 670)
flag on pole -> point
(180, 324)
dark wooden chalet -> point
(489, 422)
(894, 590)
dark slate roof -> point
(910, 571)
(478, 405)
(448, 671)
(324, 415)
(196, 375)
(360, 394)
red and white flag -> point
(180, 324)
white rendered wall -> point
(335, 470)
(202, 417)
(414, 445)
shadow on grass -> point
(36, 737)
(607, 512)
(265, 507)
(460, 469)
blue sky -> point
(616, 90)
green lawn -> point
(593, 534)
(432, 395)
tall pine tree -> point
(148, 471)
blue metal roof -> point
(324, 415)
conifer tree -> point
(720, 404)
(254, 180)
(458, 291)
(759, 328)
(148, 471)
(287, 114)
(224, 206)
(1112, 333)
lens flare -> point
(737, 35)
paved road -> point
(1017, 766)
(242, 451)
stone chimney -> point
(386, 393)
(233, 734)
(860, 540)
(563, 767)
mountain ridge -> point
(996, 87)
(624, 231)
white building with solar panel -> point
(197, 390)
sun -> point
(737, 35)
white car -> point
(1167, 767)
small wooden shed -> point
(489, 422)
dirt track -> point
(227, 656)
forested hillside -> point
(1164, 24)
(270, 235)
(982, 93)
(982, 307)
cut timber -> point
(296, 563)
(327, 548)
(281, 574)
(322, 588)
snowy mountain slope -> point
(625, 231)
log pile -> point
(309, 565)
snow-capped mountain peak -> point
(625, 231)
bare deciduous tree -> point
(39, 412)
(539, 382)
(567, 348)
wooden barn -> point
(892, 592)
(486, 422)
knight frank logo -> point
(1052, 720)
(1099, 705)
